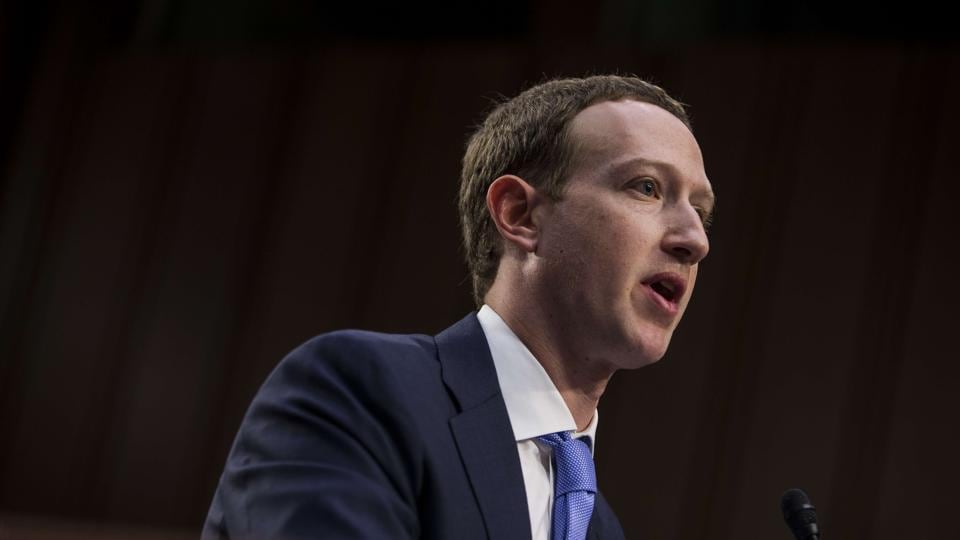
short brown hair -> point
(528, 136)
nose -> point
(685, 238)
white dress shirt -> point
(535, 408)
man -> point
(583, 204)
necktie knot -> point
(575, 485)
(573, 462)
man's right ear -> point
(511, 201)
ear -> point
(511, 201)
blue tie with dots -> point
(574, 486)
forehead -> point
(612, 133)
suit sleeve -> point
(326, 450)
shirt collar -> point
(534, 404)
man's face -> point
(619, 250)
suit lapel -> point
(482, 430)
(604, 524)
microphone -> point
(799, 514)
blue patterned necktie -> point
(574, 485)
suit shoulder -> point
(372, 357)
(368, 343)
(364, 347)
(334, 436)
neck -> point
(580, 378)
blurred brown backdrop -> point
(190, 189)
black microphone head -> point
(799, 514)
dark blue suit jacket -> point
(365, 435)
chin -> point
(646, 348)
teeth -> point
(668, 286)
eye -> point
(647, 187)
(706, 217)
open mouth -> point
(666, 289)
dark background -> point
(189, 189)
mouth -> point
(666, 289)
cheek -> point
(690, 286)
(603, 243)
